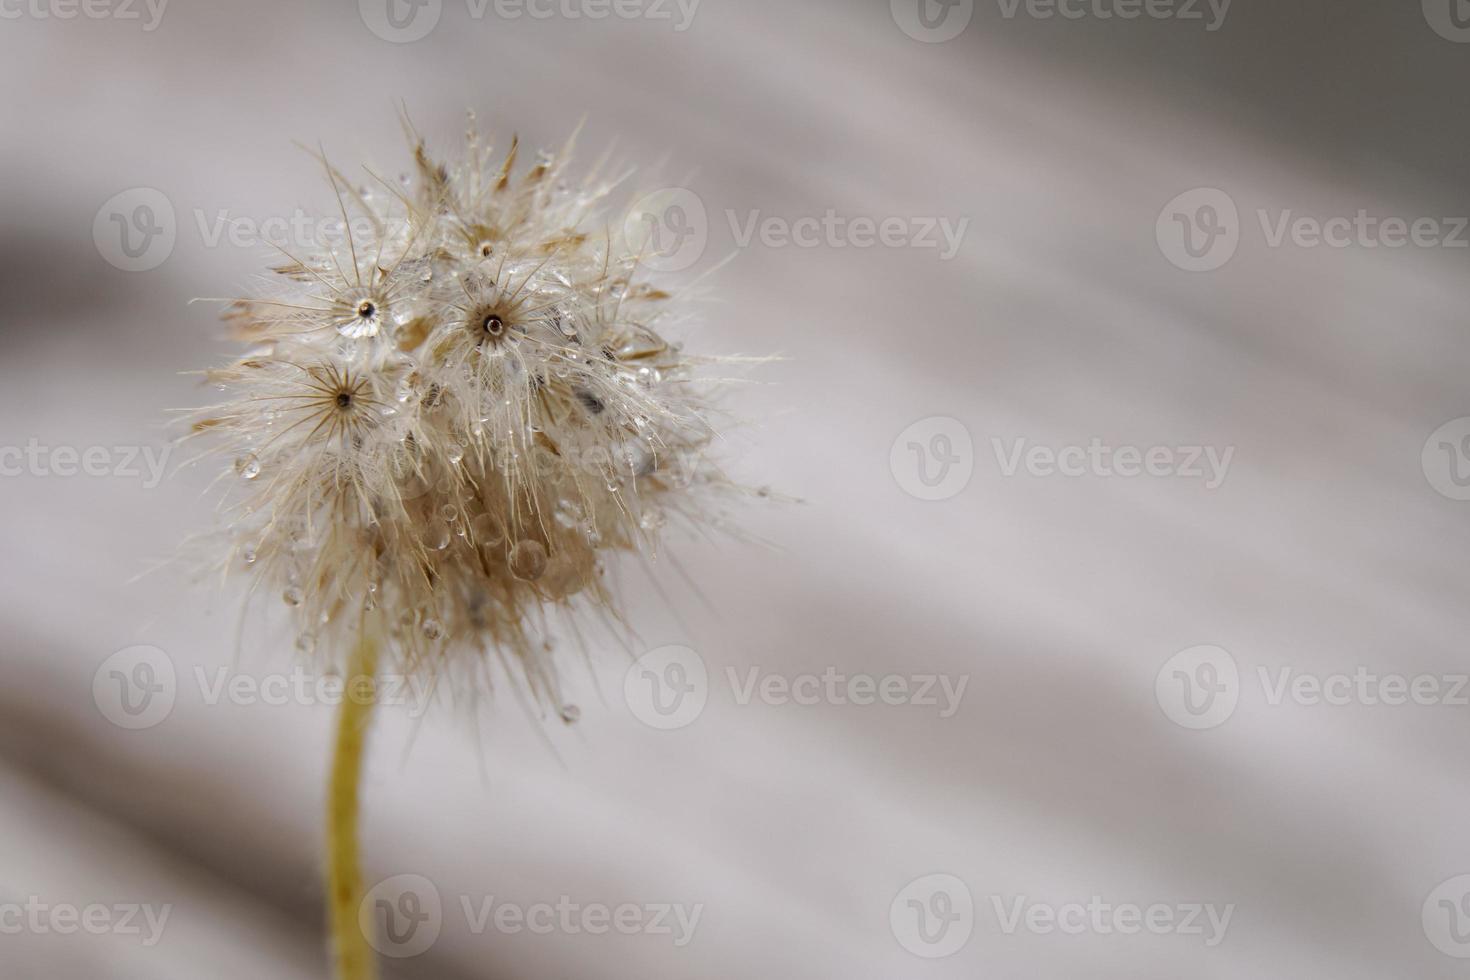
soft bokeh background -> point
(797, 829)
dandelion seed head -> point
(453, 416)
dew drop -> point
(570, 713)
(487, 531)
(432, 628)
(306, 642)
(248, 555)
(562, 577)
(293, 596)
(440, 536)
(528, 560)
(651, 520)
(248, 466)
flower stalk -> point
(353, 956)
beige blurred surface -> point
(1058, 599)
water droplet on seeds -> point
(293, 596)
(439, 536)
(248, 555)
(306, 642)
(570, 713)
(433, 629)
(651, 520)
(562, 577)
(455, 453)
(248, 467)
(528, 560)
(487, 531)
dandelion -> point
(449, 413)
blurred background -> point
(1120, 632)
